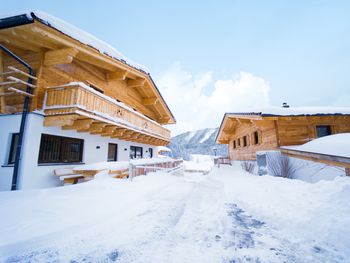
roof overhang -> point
(33, 33)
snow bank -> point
(316, 213)
(103, 166)
(199, 162)
(337, 144)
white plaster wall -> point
(33, 175)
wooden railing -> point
(67, 98)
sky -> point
(211, 57)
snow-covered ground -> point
(225, 216)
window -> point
(135, 152)
(234, 144)
(323, 130)
(239, 142)
(13, 148)
(256, 137)
(57, 149)
(112, 152)
(150, 150)
(245, 141)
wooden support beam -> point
(81, 124)
(134, 83)
(14, 70)
(60, 120)
(117, 75)
(118, 133)
(97, 127)
(61, 56)
(108, 130)
(150, 101)
(20, 92)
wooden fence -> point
(222, 160)
(166, 166)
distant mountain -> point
(196, 142)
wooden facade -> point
(78, 87)
(247, 133)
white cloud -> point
(194, 109)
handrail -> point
(23, 118)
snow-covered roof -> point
(295, 111)
(337, 145)
(79, 35)
(163, 149)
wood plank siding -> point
(240, 132)
(59, 59)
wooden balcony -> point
(77, 106)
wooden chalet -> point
(245, 133)
(80, 85)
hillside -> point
(196, 142)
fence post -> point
(131, 171)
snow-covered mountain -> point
(196, 142)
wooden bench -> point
(67, 175)
(120, 174)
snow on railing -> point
(144, 166)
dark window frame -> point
(245, 141)
(239, 142)
(13, 148)
(150, 151)
(62, 143)
(137, 149)
(115, 159)
(234, 144)
(328, 127)
(256, 138)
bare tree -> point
(281, 166)
(248, 166)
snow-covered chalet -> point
(67, 98)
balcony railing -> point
(80, 99)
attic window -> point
(234, 144)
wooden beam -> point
(108, 130)
(150, 101)
(61, 56)
(97, 127)
(134, 83)
(117, 75)
(18, 43)
(60, 120)
(81, 124)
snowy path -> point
(183, 219)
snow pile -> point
(103, 166)
(199, 162)
(317, 213)
(151, 161)
(336, 144)
(226, 216)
